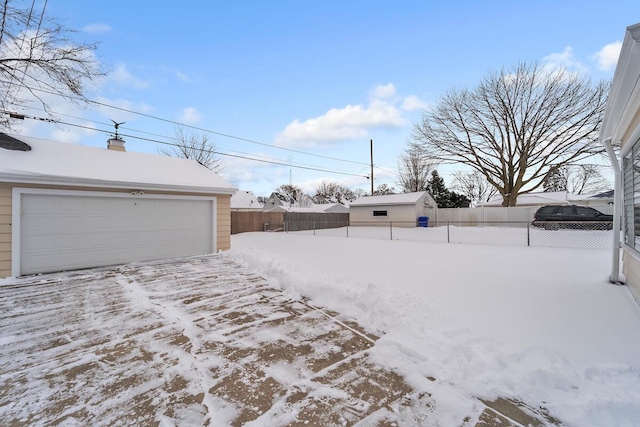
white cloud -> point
(122, 76)
(182, 76)
(607, 57)
(565, 60)
(97, 28)
(413, 103)
(341, 124)
(387, 91)
(190, 115)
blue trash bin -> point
(423, 221)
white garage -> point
(97, 207)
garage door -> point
(64, 232)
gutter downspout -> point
(617, 212)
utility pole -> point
(290, 173)
(372, 167)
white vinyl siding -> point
(631, 193)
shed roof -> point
(389, 199)
(50, 162)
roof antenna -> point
(116, 125)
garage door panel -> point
(123, 206)
(121, 239)
(61, 232)
(41, 262)
(42, 243)
(123, 222)
(70, 205)
(37, 224)
(98, 204)
(72, 259)
(74, 242)
(145, 222)
(99, 222)
(69, 223)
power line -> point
(43, 119)
(138, 131)
(91, 101)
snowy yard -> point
(539, 325)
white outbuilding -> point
(403, 210)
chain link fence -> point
(565, 234)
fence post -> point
(314, 224)
(448, 239)
(528, 235)
(347, 230)
(266, 225)
(390, 230)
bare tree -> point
(515, 125)
(38, 58)
(293, 196)
(331, 192)
(414, 169)
(383, 190)
(576, 179)
(474, 186)
(188, 145)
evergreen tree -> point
(438, 189)
(443, 197)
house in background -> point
(245, 201)
(287, 200)
(316, 208)
(604, 198)
(621, 125)
(401, 209)
(68, 206)
(334, 208)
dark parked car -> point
(572, 216)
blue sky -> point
(317, 77)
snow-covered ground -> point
(542, 325)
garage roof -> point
(50, 162)
(389, 199)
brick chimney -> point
(116, 144)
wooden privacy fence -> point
(297, 221)
(242, 222)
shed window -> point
(379, 213)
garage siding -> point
(224, 222)
(5, 230)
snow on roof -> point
(604, 195)
(389, 199)
(51, 162)
(244, 200)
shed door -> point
(64, 232)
